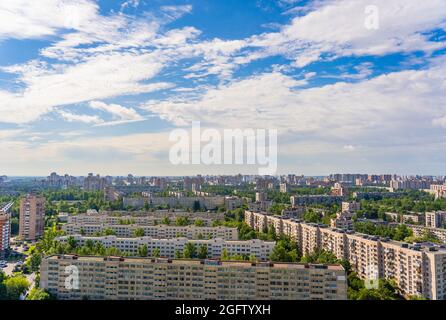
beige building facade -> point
(164, 279)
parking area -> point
(9, 269)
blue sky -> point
(97, 86)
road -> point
(8, 269)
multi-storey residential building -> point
(208, 203)
(409, 184)
(406, 218)
(339, 190)
(261, 196)
(169, 247)
(439, 190)
(144, 218)
(417, 269)
(420, 231)
(315, 199)
(352, 206)
(435, 219)
(294, 212)
(284, 187)
(342, 222)
(115, 278)
(232, 203)
(260, 205)
(94, 183)
(5, 232)
(158, 231)
(32, 217)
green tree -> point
(178, 254)
(38, 294)
(225, 254)
(34, 262)
(284, 251)
(15, 287)
(190, 251)
(199, 223)
(143, 251)
(156, 253)
(203, 252)
(109, 232)
(139, 232)
(181, 221)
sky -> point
(99, 85)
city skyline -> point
(99, 85)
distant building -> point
(409, 184)
(343, 220)
(5, 232)
(315, 199)
(350, 206)
(439, 190)
(94, 183)
(261, 196)
(435, 219)
(339, 190)
(232, 203)
(284, 187)
(32, 218)
(406, 218)
(110, 194)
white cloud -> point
(349, 147)
(176, 12)
(337, 28)
(440, 122)
(71, 117)
(391, 108)
(117, 111)
(25, 19)
(105, 76)
(130, 4)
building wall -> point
(144, 218)
(417, 270)
(149, 279)
(158, 231)
(168, 247)
(5, 232)
(32, 217)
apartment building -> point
(232, 203)
(439, 190)
(144, 218)
(284, 187)
(5, 232)
(350, 206)
(157, 231)
(208, 203)
(315, 199)
(113, 278)
(406, 218)
(420, 231)
(417, 269)
(32, 217)
(343, 220)
(435, 219)
(169, 247)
